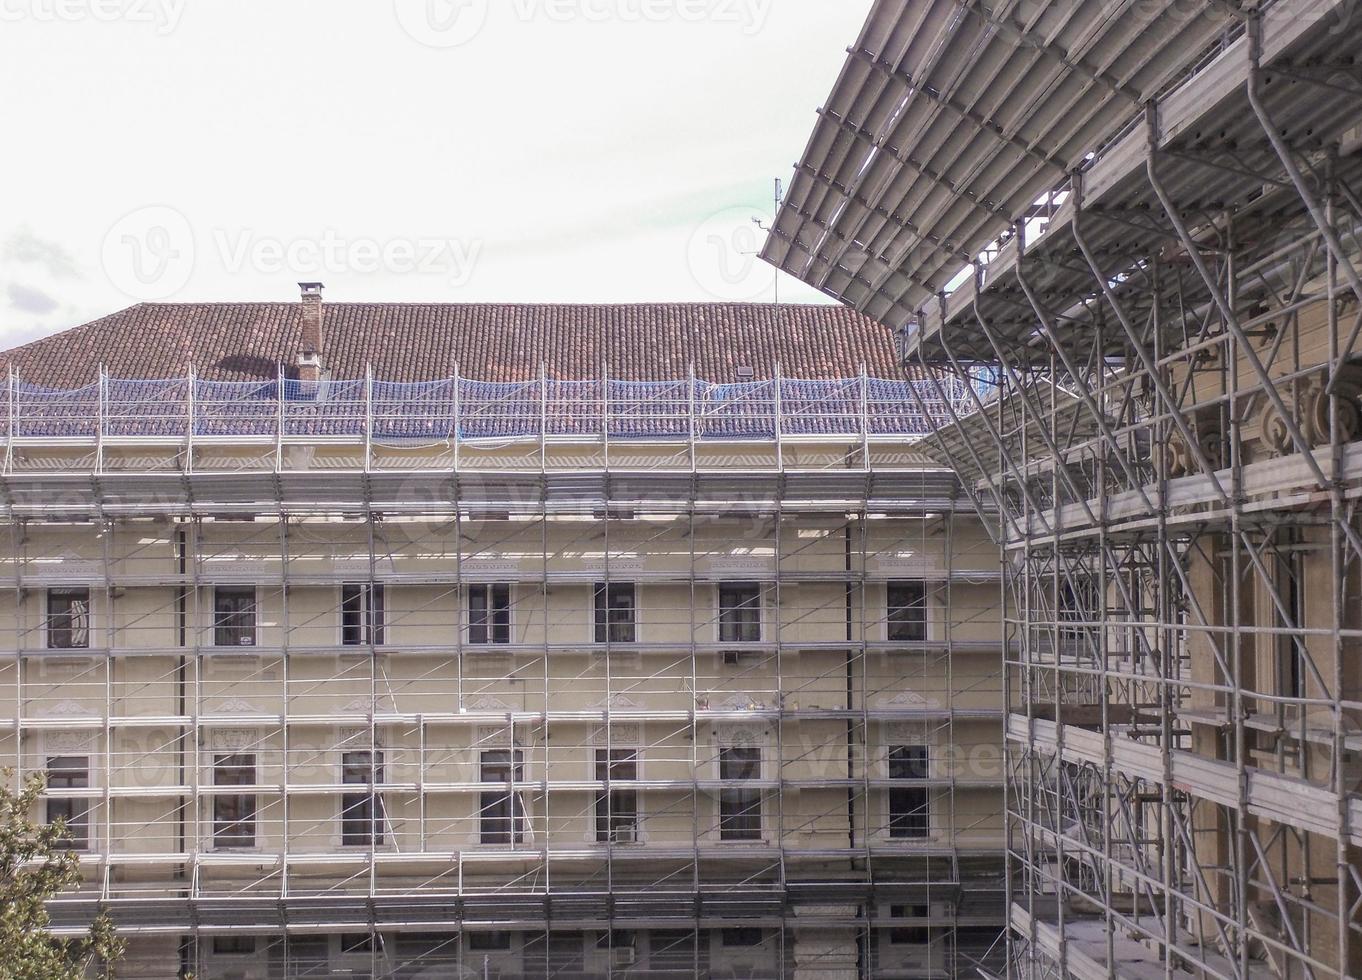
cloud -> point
(24, 246)
(30, 299)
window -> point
(356, 942)
(361, 615)
(234, 616)
(233, 945)
(909, 810)
(672, 949)
(915, 935)
(362, 814)
(907, 611)
(501, 814)
(489, 614)
(489, 942)
(616, 939)
(739, 806)
(742, 936)
(615, 605)
(70, 772)
(68, 619)
(1291, 650)
(616, 807)
(234, 813)
(739, 612)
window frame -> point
(617, 824)
(903, 820)
(757, 602)
(516, 818)
(367, 602)
(916, 626)
(363, 807)
(747, 824)
(492, 629)
(75, 810)
(223, 824)
(50, 632)
(222, 628)
(602, 626)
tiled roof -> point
(493, 342)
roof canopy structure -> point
(955, 120)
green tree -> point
(35, 865)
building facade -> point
(583, 667)
(1147, 224)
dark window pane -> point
(914, 934)
(489, 614)
(70, 772)
(672, 949)
(234, 813)
(233, 945)
(489, 941)
(908, 762)
(356, 942)
(501, 813)
(234, 616)
(909, 809)
(361, 614)
(908, 813)
(68, 618)
(742, 936)
(907, 611)
(615, 617)
(739, 807)
(739, 612)
(361, 813)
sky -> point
(399, 150)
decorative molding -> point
(740, 735)
(67, 565)
(738, 702)
(620, 733)
(234, 739)
(237, 706)
(486, 702)
(66, 742)
(490, 569)
(361, 705)
(908, 699)
(740, 564)
(67, 708)
(617, 564)
(907, 733)
(496, 735)
(615, 701)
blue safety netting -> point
(481, 410)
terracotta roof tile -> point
(493, 342)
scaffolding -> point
(1148, 225)
(604, 687)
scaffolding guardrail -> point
(466, 409)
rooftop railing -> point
(466, 409)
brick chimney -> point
(310, 346)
